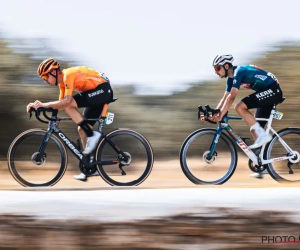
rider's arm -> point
(60, 104)
(228, 101)
(65, 94)
(223, 99)
(229, 83)
(233, 85)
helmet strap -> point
(226, 71)
(56, 76)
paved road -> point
(131, 203)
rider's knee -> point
(67, 107)
(70, 104)
(239, 106)
(236, 108)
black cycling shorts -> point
(263, 101)
(93, 101)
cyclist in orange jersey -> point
(94, 91)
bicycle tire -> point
(17, 142)
(183, 155)
(143, 142)
(270, 146)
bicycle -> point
(279, 157)
(31, 150)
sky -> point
(158, 45)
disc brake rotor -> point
(40, 161)
(296, 158)
(126, 163)
(209, 161)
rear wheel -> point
(287, 170)
(138, 165)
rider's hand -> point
(37, 104)
(202, 118)
(217, 117)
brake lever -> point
(30, 112)
(37, 112)
(213, 111)
(200, 109)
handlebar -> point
(207, 112)
(44, 110)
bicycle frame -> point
(258, 160)
(88, 162)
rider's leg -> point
(263, 113)
(264, 98)
(244, 112)
(93, 136)
(258, 133)
(93, 101)
(88, 113)
(83, 136)
(249, 118)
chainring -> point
(87, 171)
(255, 168)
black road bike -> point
(38, 157)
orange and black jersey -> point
(80, 78)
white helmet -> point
(222, 59)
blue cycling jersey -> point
(250, 77)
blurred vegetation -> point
(218, 228)
(164, 120)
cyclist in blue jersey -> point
(267, 92)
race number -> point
(277, 115)
(109, 118)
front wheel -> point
(195, 160)
(31, 169)
(139, 158)
(286, 144)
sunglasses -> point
(217, 67)
(45, 77)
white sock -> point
(258, 130)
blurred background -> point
(157, 55)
